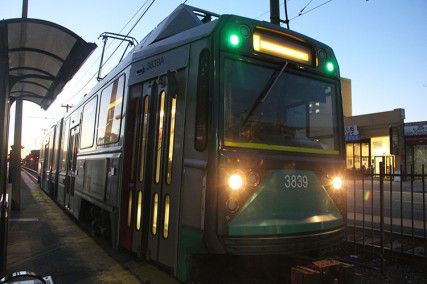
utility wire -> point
(312, 9)
(302, 10)
(111, 42)
(115, 50)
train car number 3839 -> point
(296, 182)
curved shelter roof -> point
(43, 57)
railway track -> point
(32, 173)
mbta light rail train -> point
(216, 134)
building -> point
(374, 138)
(346, 97)
(416, 145)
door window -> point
(143, 149)
(166, 217)
(160, 130)
(138, 213)
(171, 140)
(155, 209)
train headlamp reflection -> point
(337, 183)
(235, 181)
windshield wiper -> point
(263, 95)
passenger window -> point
(88, 123)
(143, 148)
(64, 147)
(110, 112)
(160, 131)
(171, 140)
(202, 102)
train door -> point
(45, 165)
(63, 162)
(73, 147)
(168, 108)
(139, 166)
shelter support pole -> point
(16, 181)
(4, 130)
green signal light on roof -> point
(330, 66)
(234, 40)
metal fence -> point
(386, 213)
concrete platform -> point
(43, 239)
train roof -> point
(186, 23)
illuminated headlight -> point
(337, 183)
(235, 181)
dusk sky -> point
(381, 45)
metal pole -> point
(24, 9)
(391, 211)
(274, 12)
(4, 107)
(286, 14)
(382, 173)
(363, 209)
(17, 141)
(354, 209)
(16, 181)
(424, 210)
(401, 208)
(412, 210)
(372, 210)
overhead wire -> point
(302, 10)
(111, 42)
(310, 10)
(118, 46)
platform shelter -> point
(37, 59)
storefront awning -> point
(43, 57)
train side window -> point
(171, 139)
(160, 132)
(88, 123)
(64, 147)
(143, 149)
(202, 101)
(110, 112)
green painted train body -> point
(216, 134)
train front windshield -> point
(298, 114)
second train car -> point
(216, 134)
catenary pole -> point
(286, 14)
(274, 12)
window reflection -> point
(171, 140)
(160, 129)
(88, 123)
(110, 112)
(144, 137)
(298, 112)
